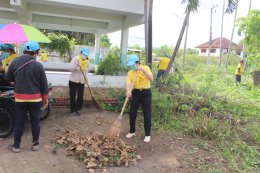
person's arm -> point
(44, 87)
(146, 71)
(74, 64)
(9, 76)
(129, 85)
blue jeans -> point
(22, 109)
(159, 75)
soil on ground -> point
(168, 152)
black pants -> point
(22, 109)
(76, 89)
(238, 78)
(143, 97)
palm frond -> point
(193, 5)
(232, 5)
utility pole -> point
(221, 50)
(210, 32)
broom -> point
(115, 128)
(96, 104)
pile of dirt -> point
(96, 150)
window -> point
(203, 50)
(212, 50)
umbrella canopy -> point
(17, 33)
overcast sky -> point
(166, 24)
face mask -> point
(83, 57)
(133, 67)
(6, 54)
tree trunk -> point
(177, 46)
(185, 44)
(148, 31)
(230, 44)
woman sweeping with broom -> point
(139, 88)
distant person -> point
(239, 71)
(138, 88)
(9, 55)
(77, 82)
(30, 92)
(44, 56)
(162, 66)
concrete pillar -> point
(124, 44)
(97, 49)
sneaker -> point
(36, 146)
(77, 113)
(130, 135)
(14, 150)
(147, 138)
(72, 113)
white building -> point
(215, 47)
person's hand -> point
(45, 103)
(12, 83)
(139, 67)
(128, 94)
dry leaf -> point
(91, 165)
(91, 170)
(139, 157)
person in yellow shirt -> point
(239, 71)
(44, 56)
(139, 88)
(9, 55)
(162, 66)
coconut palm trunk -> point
(230, 44)
(177, 46)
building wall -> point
(212, 54)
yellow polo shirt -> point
(163, 63)
(8, 61)
(44, 57)
(142, 82)
(241, 69)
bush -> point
(111, 64)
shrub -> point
(111, 64)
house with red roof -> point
(215, 47)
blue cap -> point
(85, 51)
(166, 55)
(32, 46)
(7, 46)
(132, 59)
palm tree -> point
(192, 6)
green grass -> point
(205, 102)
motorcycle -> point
(7, 110)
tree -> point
(59, 43)
(249, 26)
(105, 41)
(192, 6)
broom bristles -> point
(114, 130)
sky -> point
(167, 23)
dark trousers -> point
(159, 75)
(238, 78)
(76, 89)
(22, 109)
(143, 97)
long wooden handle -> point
(86, 80)
(122, 111)
(127, 98)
